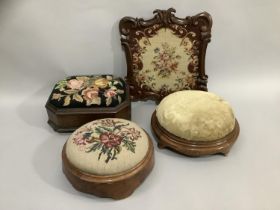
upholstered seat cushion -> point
(107, 146)
(196, 115)
(88, 91)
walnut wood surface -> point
(193, 148)
(116, 186)
(69, 119)
(133, 29)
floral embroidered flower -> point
(134, 134)
(108, 136)
(90, 94)
(56, 96)
(110, 139)
(81, 138)
(75, 84)
(101, 83)
(80, 91)
(166, 61)
(110, 93)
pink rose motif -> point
(110, 93)
(90, 94)
(110, 139)
(75, 84)
(80, 140)
(165, 56)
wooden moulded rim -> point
(191, 147)
(110, 179)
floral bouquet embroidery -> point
(165, 60)
(108, 137)
(91, 90)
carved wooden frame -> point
(200, 24)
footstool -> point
(195, 123)
(77, 100)
(108, 157)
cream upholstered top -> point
(107, 146)
(196, 115)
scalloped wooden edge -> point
(193, 148)
(117, 186)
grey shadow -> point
(119, 61)
(47, 162)
(5, 7)
(32, 109)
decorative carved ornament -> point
(165, 54)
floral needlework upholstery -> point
(165, 53)
(107, 146)
(168, 61)
(88, 91)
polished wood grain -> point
(193, 148)
(133, 29)
(116, 186)
(69, 119)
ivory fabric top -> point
(196, 115)
(107, 146)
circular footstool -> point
(109, 157)
(195, 123)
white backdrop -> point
(42, 41)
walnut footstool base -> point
(117, 186)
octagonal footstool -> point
(77, 100)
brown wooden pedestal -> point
(117, 186)
(193, 148)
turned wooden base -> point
(116, 186)
(193, 148)
(69, 119)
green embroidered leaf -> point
(115, 82)
(78, 98)
(107, 129)
(67, 100)
(96, 100)
(121, 84)
(113, 88)
(98, 130)
(70, 92)
(108, 101)
(82, 78)
(118, 149)
(129, 145)
(109, 77)
(120, 91)
(119, 99)
(95, 147)
(101, 129)
(56, 96)
(61, 84)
